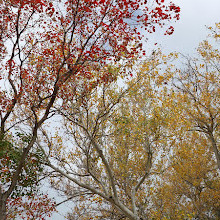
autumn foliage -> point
(122, 135)
(148, 149)
(53, 52)
(30, 207)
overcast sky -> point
(189, 31)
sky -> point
(190, 30)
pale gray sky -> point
(189, 31)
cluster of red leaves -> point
(30, 207)
(54, 41)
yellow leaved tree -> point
(190, 186)
(107, 150)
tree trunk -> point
(2, 207)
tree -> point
(189, 187)
(161, 131)
(198, 85)
(108, 146)
(70, 44)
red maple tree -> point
(48, 46)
